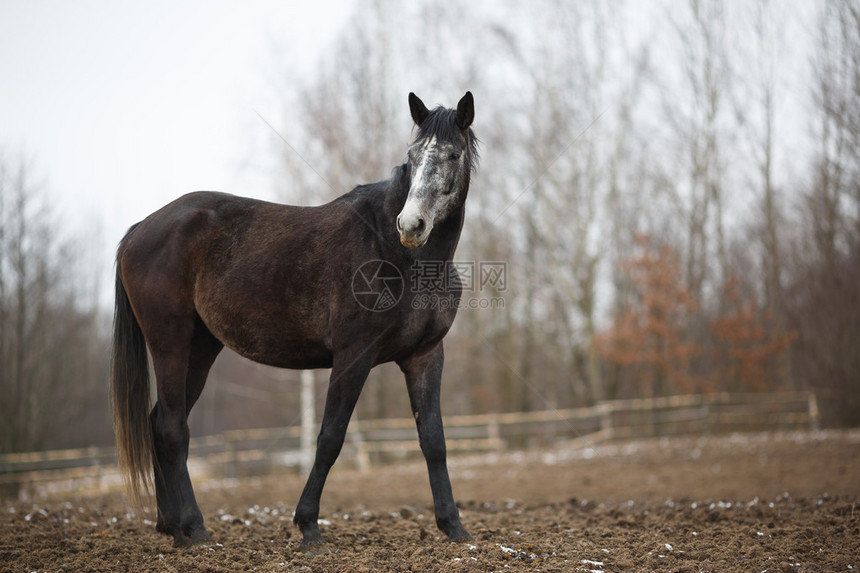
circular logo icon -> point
(377, 285)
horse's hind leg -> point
(181, 372)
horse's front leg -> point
(423, 381)
(348, 374)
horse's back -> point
(173, 239)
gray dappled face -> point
(439, 174)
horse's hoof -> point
(314, 548)
(315, 545)
(321, 549)
(198, 537)
(459, 535)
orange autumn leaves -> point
(661, 342)
(750, 349)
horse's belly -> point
(276, 337)
(298, 356)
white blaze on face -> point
(438, 170)
(416, 220)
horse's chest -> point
(426, 328)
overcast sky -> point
(121, 107)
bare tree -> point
(757, 100)
(835, 196)
(52, 361)
(557, 155)
(823, 290)
(695, 105)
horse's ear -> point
(465, 111)
(418, 109)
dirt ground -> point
(756, 502)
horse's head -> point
(440, 161)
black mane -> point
(442, 122)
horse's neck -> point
(448, 233)
(398, 189)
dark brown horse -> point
(277, 284)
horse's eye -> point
(454, 156)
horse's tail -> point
(130, 398)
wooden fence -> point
(257, 451)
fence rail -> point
(255, 451)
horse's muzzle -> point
(414, 231)
(411, 241)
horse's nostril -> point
(399, 226)
(419, 226)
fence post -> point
(232, 458)
(306, 440)
(494, 434)
(606, 410)
(814, 422)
